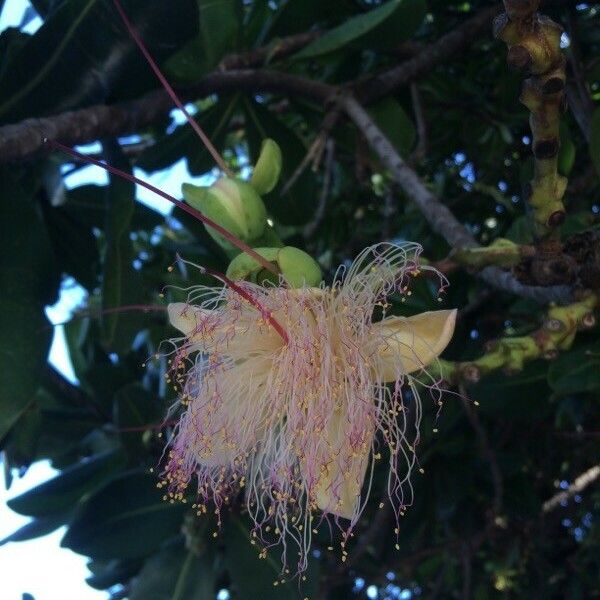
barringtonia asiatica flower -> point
(298, 414)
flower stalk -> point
(510, 354)
(533, 42)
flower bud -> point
(268, 167)
(231, 203)
(296, 266)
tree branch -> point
(585, 479)
(437, 214)
(428, 58)
(277, 49)
(24, 139)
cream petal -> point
(407, 344)
(234, 414)
(338, 488)
(186, 317)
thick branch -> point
(76, 127)
(81, 126)
(278, 49)
(437, 214)
(432, 55)
(576, 487)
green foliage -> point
(106, 433)
(381, 27)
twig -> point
(85, 125)
(26, 138)
(312, 225)
(439, 217)
(276, 50)
(315, 150)
(585, 479)
(486, 449)
(466, 557)
(434, 54)
(420, 151)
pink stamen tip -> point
(185, 207)
(167, 86)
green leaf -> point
(134, 408)
(22, 445)
(401, 17)
(398, 127)
(520, 231)
(298, 204)
(566, 155)
(520, 397)
(184, 141)
(595, 139)
(113, 572)
(175, 573)
(51, 70)
(75, 246)
(219, 22)
(300, 15)
(61, 492)
(576, 371)
(121, 284)
(127, 518)
(254, 577)
(29, 281)
(36, 528)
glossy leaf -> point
(127, 518)
(219, 22)
(254, 577)
(36, 528)
(28, 280)
(120, 281)
(175, 573)
(66, 488)
(81, 36)
(576, 371)
(595, 139)
(400, 16)
(392, 118)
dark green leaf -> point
(595, 139)
(61, 492)
(52, 70)
(184, 142)
(401, 17)
(299, 203)
(127, 518)
(120, 281)
(576, 371)
(254, 577)
(175, 573)
(219, 22)
(135, 408)
(36, 528)
(28, 280)
(398, 127)
(75, 246)
(113, 572)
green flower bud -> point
(234, 205)
(268, 167)
(296, 266)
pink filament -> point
(185, 207)
(138, 40)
